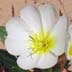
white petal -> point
(67, 41)
(31, 16)
(70, 31)
(47, 61)
(59, 32)
(49, 16)
(18, 34)
(15, 27)
(68, 44)
(16, 46)
(67, 51)
(27, 62)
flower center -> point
(42, 43)
(70, 50)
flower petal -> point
(18, 34)
(49, 16)
(59, 31)
(27, 62)
(47, 61)
(16, 27)
(69, 42)
(70, 31)
(16, 46)
(31, 16)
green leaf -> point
(57, 69)
(9, 62)
(3, 33)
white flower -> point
(37, 37)
(69, 51)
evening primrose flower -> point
(37, 36)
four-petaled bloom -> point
(37, 36)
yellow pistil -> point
(42, 43)
(70, 50)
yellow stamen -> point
(42, 43)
